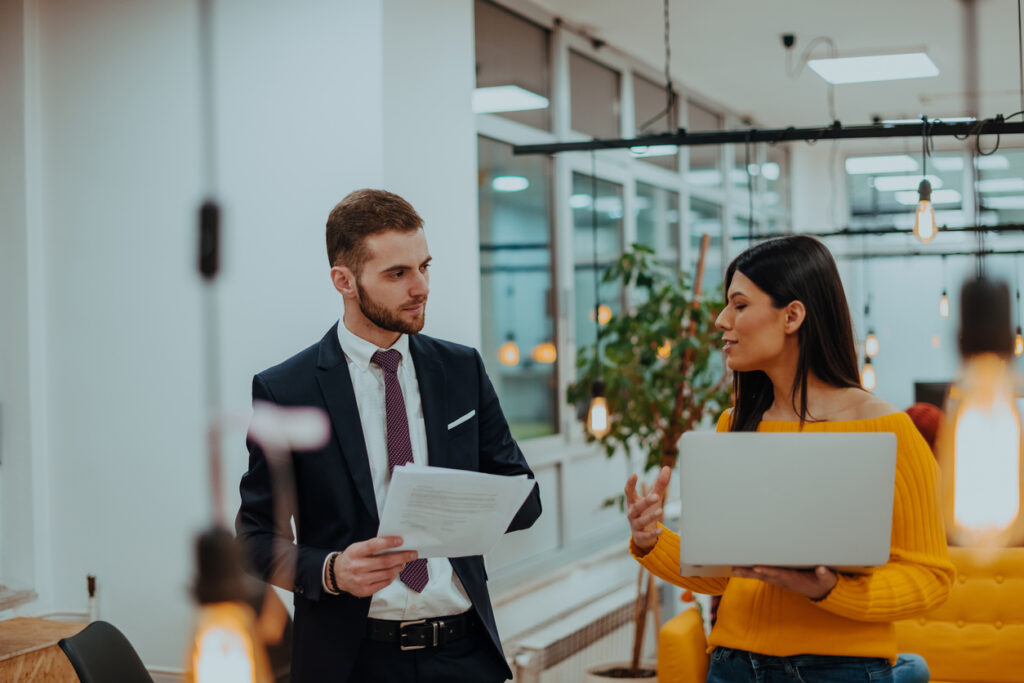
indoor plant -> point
(657, 365)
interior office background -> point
(102, 467)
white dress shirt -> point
(443, 594)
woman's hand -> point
(814, 584)
(645, 512)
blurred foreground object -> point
(980, 443)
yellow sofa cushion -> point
(682, 649)
(978, 633)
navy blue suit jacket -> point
(334, 504)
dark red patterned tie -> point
(399, 446)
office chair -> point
(101, 654)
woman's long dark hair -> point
(797, 268)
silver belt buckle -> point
(401, 635)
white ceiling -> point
(731, 51)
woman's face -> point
(754, 331)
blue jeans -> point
(910, 668)
(739, 666)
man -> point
(392, 396)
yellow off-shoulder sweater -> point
(855, 619)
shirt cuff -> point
(323, 576)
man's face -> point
(395, 281)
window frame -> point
(567, 449)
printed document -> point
(442, 512)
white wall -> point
(16, 557)
(302, 119)
(430, 149)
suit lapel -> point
(431, 378)
(336, 386)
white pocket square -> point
(453, 425)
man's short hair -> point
(361, 214)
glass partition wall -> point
(549, 224)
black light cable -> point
(670, 121)
(597, 389)
(750, 194)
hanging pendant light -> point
(602, 314)
(944, 299)
(508, 353)
(868, 378)
(226, 648)
(597, 415)
(545, 352)
(980, 449)
(925, 228)
(924, 217)
(871, 345)
(1018, 339)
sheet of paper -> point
(442, 512)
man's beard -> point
(388, 320)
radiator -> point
(600, 632)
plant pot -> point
(607, 672)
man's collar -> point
(360, 351)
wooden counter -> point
(29, 652)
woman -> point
(789, 342)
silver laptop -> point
(787, 500)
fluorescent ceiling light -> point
(737, 176)
(704, 178)
(654, 151)
(995, 162)
(579, 201)
(506, 98)
(940, 119)
(911, 198)
(948, 163)
(611, 206)
(885, 164)
(841, 70)
(510, 183)
(894, 183)
(1001, 185)
(1004, 203)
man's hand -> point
(645, 513)
(361, 572)
(814, 584)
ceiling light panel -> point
(843, 70)
(897, 163)
(502, 98)
(895, 183)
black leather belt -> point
(421, 633)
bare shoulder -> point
(870, 407)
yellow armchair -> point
(682, 649)
(978, 633)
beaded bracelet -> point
(330, 573)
